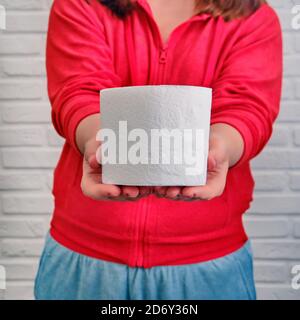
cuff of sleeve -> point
(244, 131)
(74, 121)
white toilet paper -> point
(155, 135)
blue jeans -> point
(66, 275)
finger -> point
(98, 155)
(91, 184)
(130, 191)
(202, 192)
(214, 187)
(173, 192)
(93, 162)
(98, 191)
(144, 191)
(91, 148)
(211, 162)
(122, 198)
(187, 199)
(160, 191)
(179, 197)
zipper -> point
(143, 210)
(145, 207)
(162, 61)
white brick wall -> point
(29, 148)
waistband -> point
(211, 246)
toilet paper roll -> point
(155, 135)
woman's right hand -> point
(91, 182)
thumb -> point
(211, 161)
(93, 161)
(92, 153)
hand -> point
(91, 182)
(218, 164)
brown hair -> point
(228, 9)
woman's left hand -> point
(217, 168)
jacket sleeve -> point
(79, 64)
(247, 91)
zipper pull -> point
(163, 55)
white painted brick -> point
(270, 272)
(23, 158)
(276, 249)
(297, 137)
(20, 44)
(20, 112)
(297, 229)
(298, 88)
(24, 5)
(21, 248)
(289, 112)
(53, 138)
(19, 291)
(288, 89)
(277, 292)
(14, 228)
(291, 66)
(49, 3)
(269, 181)
(297, 42)
(20, 181)
(18, 136)
(21, 90)
(23, 67)
(288, 44)
(286, 17)
(277, 3)
(20, 270)
(267, 228)
(295, 180)
(50, 181)
(277, 159)
(275, 204)
(280, 137)
(27, 22)
(26, 204)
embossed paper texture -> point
(155, 135)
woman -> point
(126, 242)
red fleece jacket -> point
(88, 49)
